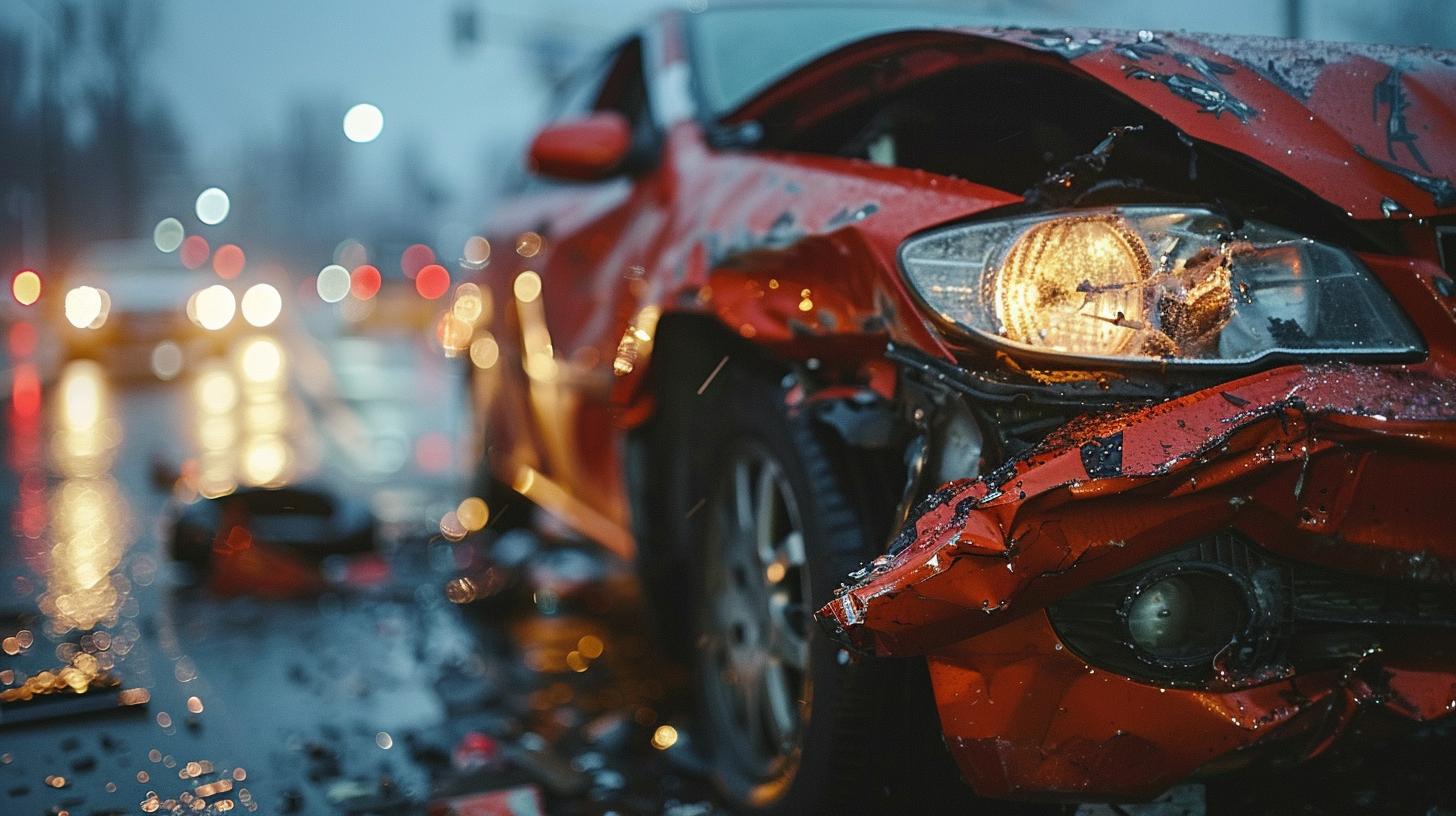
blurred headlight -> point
(1152, 283)
(261, 304)
(213, 307)
(87, 307)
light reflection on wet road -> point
(293, 703)
(371, 696)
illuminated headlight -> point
(1186, 616)
(1154, 284)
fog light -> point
(1187, 616)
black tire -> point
(872, 742)
(832, 768)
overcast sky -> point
(231, 71)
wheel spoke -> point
(743, 497)
(766, 506)
(786, 643)
(781, 705)
(758, 639)
(790, 549)
(750, 688)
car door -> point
(575, 251)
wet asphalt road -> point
(376, 694)
(373, 696)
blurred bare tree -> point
(124, 33)
(84, 139)
(22, 217)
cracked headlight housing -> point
(1154, 284)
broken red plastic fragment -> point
(1108, 493)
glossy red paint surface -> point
(1339, 465)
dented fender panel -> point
(1107, 492)
(1342, 467)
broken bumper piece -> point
(1307, 511)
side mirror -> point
(585, 149)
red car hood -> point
(1369, 128)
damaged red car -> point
(1082, 398)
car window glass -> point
(739, 52)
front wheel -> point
(789, 721)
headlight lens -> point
(1154, 283)
(1186, 616)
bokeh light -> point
(228, 261)
(21, 339)
(473, 513)
(350, 253)
(194, 251)
(213, 206)
(453, 334)
(664, 737)
(527, 286)
(167, 360)
(25, 287)
(168, 234)
(261, 360)
(414, 258)
(432, 281)
(469, 304)
(528, 244)
(215, 307)
(264, 460)
(451, 528)
(363, 123)
(85, 307)
(484, 351)
(333, 283)
(477, 251)
(261, 304)
(364, 282)
(216, 392)
(590, 646)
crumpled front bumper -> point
(1349, 468)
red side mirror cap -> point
(585, 149)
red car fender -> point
(1106, 493)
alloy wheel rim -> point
(756, 650)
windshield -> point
(741, 51)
